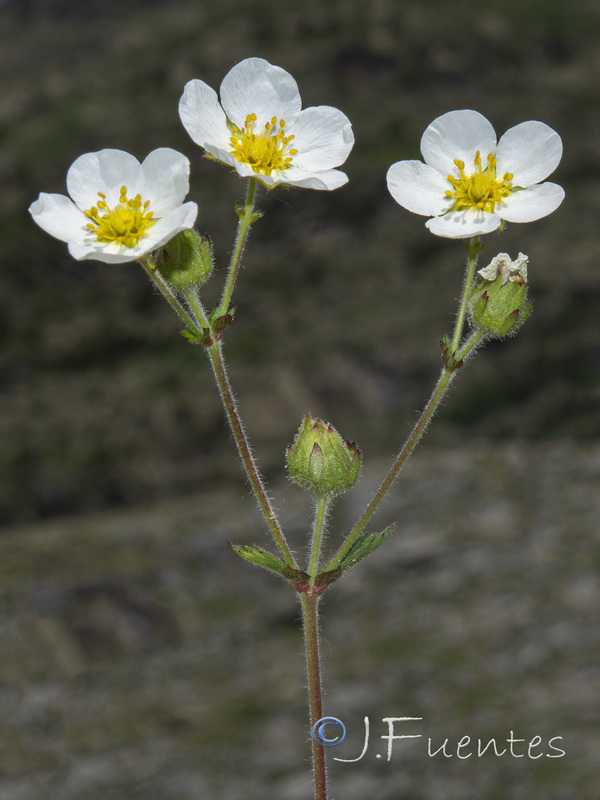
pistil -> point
(482, 188)
(125, 223)
(266, 150)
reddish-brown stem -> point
(310, 619)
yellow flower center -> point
(124, 224)
(265, 150)
(482, 188)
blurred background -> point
(132, 663)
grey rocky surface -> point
(141, 658)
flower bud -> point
(321, 461)
(498, 304)
(186, 261)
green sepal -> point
(498, 308)
(186, 261)
(320, 461)
(364, 546)
(253, 216)
(262, 558)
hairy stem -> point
(166, 291)
(401, 459)
(216, 359)
(473, 248)
(310, 619)
(321, 510)
(247, 217)
(198, 311)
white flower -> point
(260, 129)
(120, 209)
(469, 183)
(510, 271)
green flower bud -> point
(321, 461)
(499, 304)
(186, 261)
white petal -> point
(105, 171)
(202, 116)
(323, 137)
(178, 220)
(531, 151)
(107, 254)
(255, 86)
(418, 187)
(533, 203)
(304, 179)
(59, 216)
(464, 224)
(164, 180)
(457, 134)
(326, 181)
(243, 169)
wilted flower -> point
(119, 209)
(499, 302)
(504, 267)
(469, 184)
(258, 127)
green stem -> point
(166, 291)
(446, 377)
(215, 355)
(401, 459)
(310, 620)
(321, 509)
(235, 423)
(474, 247)
(197, 309)
(417, 432)
(247, 217)
(469, 347)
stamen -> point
(482, 188)
(265, 151)
(125, 224)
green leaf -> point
(297, 576)
(262, 558)
(365, 545)
(327, 577)
(448, 354)
(191, 336)
(220, 323)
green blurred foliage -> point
(344, 295)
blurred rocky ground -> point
(132, 663)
